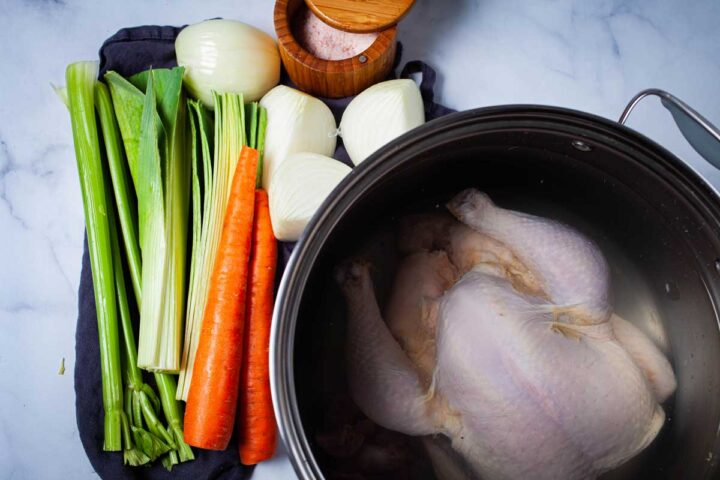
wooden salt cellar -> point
(341, 78)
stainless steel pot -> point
(650, 213)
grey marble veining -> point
(589, 55)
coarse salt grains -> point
(326, 42)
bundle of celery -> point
(131, 425)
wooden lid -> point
(360, 15)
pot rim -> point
(700, 193)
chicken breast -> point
(572, 271)
(573, 407)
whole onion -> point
(227, 56)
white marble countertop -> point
(589, 55)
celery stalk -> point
(147, 442)
(136, 391)
(229, 139)
(81, 79)
(173, 414)
(124, 192)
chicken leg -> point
(653, 363)
(383, 381)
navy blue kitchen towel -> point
(129, 51)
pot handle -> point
(697, 130)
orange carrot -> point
(255, 419)
(212, 400)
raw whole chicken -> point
(499, 345)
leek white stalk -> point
(297, 122)
(163, 184)
(227, 56)
(153, 131)
(298, 188)
(380, 114)
(229, 139)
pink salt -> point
(326, 42)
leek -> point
(153, 129)
(133, 98)
(153, 242)
(200, 136)
(162, 186)
(128, 103)
(81, 80)
(229, 138)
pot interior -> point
(655, 223)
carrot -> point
(255, 419)
(212, 400)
